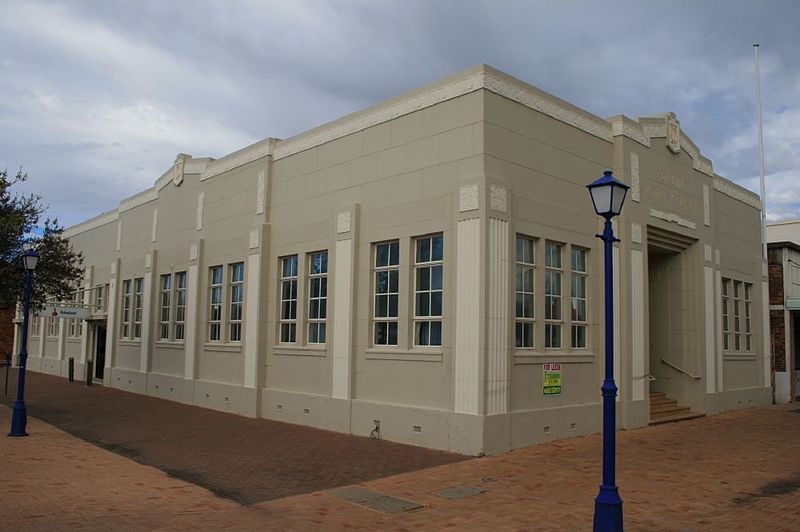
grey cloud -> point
(105, 93)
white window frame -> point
(582, 277)
(138, 307)
(525, 292)
(428, 325)
(165, 307)
(317, 297)
(125, 309)
(737, 318)
(235, 301)
(386, 293)
(179, 284)
(216, 303)
(287, 290)
(748, 331)
(553, 311)
(726, 297)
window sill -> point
(130, 342)
(221, 347)
(738, 355)
(411, 355)
(543, 357)
(170, 345)
(320, 350)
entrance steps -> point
(665, 410)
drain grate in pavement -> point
(375, 500)
(460, 492)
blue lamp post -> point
(608, 195)
(19, 417)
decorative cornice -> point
(146, 196)
(736, 192)
(699, 162)
(260, 149)
(622, 125)
(92, 223)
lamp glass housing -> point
(29, 260)
(608, 195)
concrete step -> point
(677, 417)
(669, 411)
(666, 407)
(662, 401)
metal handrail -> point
(676, 368)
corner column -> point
(467, 357)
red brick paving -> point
(247, 460)
(735, 471)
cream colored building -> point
(416, 264)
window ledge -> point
(170, 345)
(301, 350)
(220, 347)
(130, 342)
(539, 357)
(412, 355)
(738, 355)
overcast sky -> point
(97, 97)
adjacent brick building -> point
(784, 307)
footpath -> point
(735, 471)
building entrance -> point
(100, 352)
(673, 315)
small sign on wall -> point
(552, 378)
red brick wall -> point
(6, 331)
(775, 258)
(778, 339)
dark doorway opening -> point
(100, 352)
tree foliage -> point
(59, 269)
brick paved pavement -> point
(246, 460)
(735, 471)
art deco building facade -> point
(417, 264)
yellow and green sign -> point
(552, 379)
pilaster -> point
(259, 239)
(88, 280)
(193, 277)
(467, 358)
(113, 314)
(344, 281)
(150, 261)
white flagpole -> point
(761, 158)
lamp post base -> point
(608, 510)
(19, 420)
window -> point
(725, 301)
(165, 313)
(215, 304)
(180, 305)
(737, 328)
(34, 322)
(74, 330)
(748, 340)
(172, 306)
(132, 292)
(288, 321)
(578, 266)
(317, 297)
(99, 298)
(236, 297)
(525, 293)
(552, 294)
(52, 326)
(737, 307)
(386, 290)
(138, 297)
(428, 290)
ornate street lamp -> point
(19, 417)
(608, 195)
